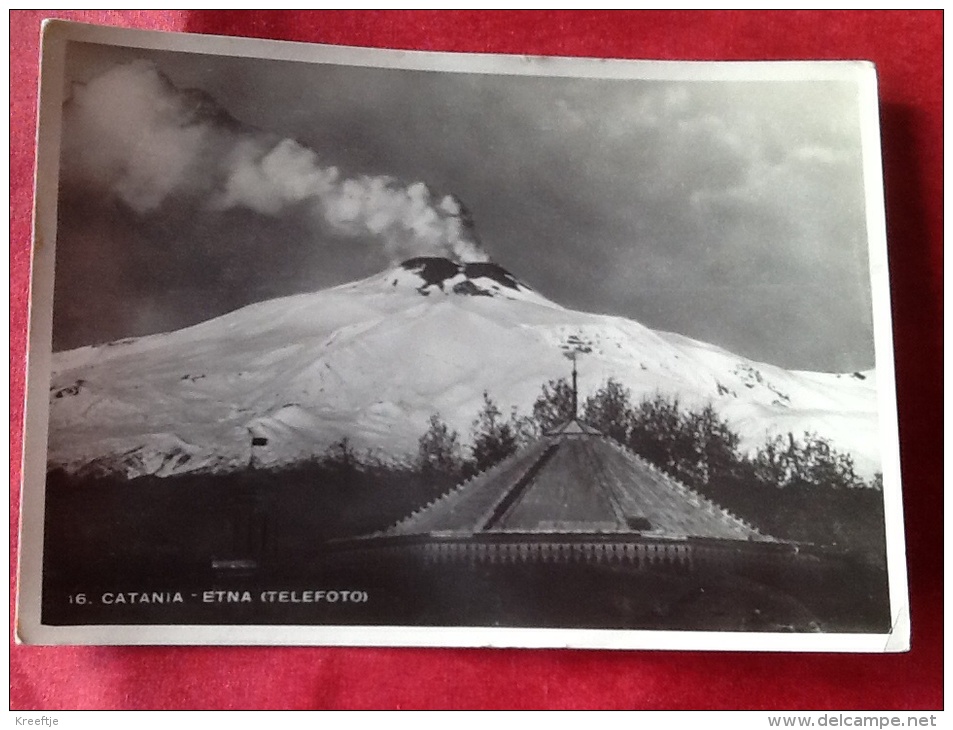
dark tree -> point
(439, 449)
(609, 409)
(714, 455)
(553, 407)
(494, 438)
(824, 466)
(810, 463)
(525, 429)
(341, 456)
(657, 432)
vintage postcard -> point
(347, 346)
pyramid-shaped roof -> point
(575, 481)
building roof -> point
(574, 480)
(575, 427)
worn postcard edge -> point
(29, 629)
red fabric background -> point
(907, 48)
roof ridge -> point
(522, 480)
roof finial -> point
(572, 347)
(575, 390)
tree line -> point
(696, 445)
(792, 487)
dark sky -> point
(732, 212)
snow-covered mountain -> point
(372, 360)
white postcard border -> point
(29, 627)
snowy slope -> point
(373, 359)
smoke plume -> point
(131, 134)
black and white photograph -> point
(350, 346)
